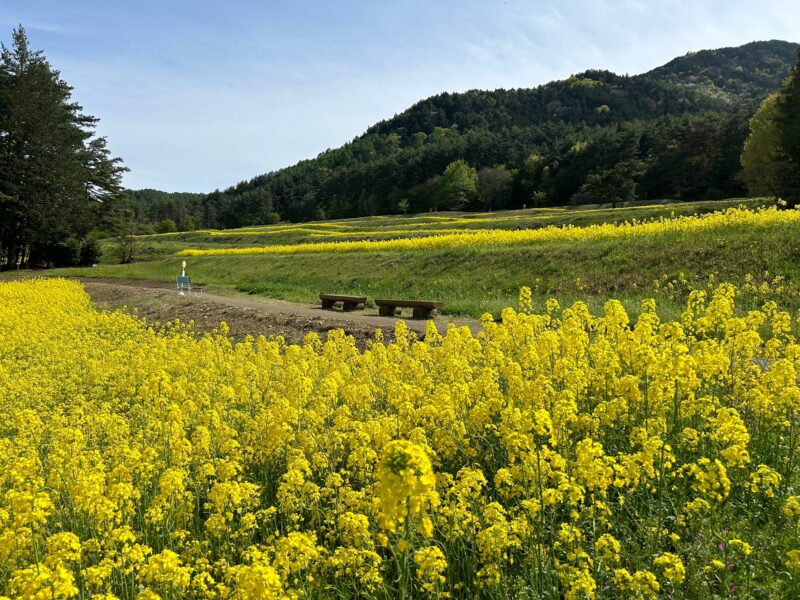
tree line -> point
(771, 155)
(58, 180)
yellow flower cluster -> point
(390, 231)
(733, 217)
(554, 454)
(406, 484)
(313, 232)
(273, 230)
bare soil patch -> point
(245, 315)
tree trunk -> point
(12, 254)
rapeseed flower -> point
(551, 452)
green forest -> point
(675, 132)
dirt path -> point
(246, 315)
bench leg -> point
(327, 304)
(422, 313)
(348, 306)
(386, 311)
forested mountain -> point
(748, 72)
(674, 132)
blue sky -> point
(197, 95)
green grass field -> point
(473, 281)
(151, 247)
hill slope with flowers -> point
(558, 454)
(476, 262)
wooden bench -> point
(348, 302)
(422, 308)
(184, 284)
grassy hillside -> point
(166, 244)
(473, 280)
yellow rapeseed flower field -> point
(387, 231)
(732, 217)
(554, 454)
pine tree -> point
(614, 185)
(56, 177)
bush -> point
(272, 218)
(166, 226)
(188, 224)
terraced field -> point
(476, 263)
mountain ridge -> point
(773, 55)
(550, 139)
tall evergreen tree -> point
(56, 177)
(614, 185)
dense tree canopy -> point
(788, 118)
(760, 154)
(771, 155)
(494, 186)
(57, 180)
(459, 184)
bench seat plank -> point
(429, 304)
(342, 298)
(421, 308)
(348, 302)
